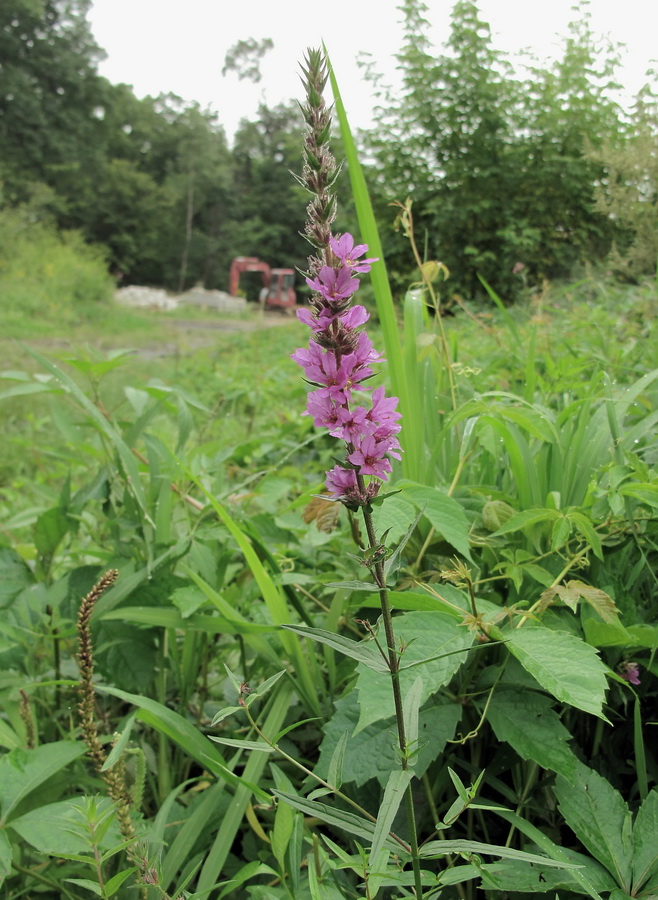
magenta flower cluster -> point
(337, 362)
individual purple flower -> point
(350, 318)
(350, 423)
(340, 481)
(383, 407)
(343, 247)
(369, 455)
(334, 284)
(365, 352)
(324, 412)
(630, 671)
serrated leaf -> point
(23, 771)
(366, 654)
(59, 829)
(49, 529)
(444, 514)
(599, 817)
(564, 665)
(495, 513)
(373, 752)
(645, 842)
(426, 635)
(531, 878)
(526, 721)
(435, 849)
(5, 855)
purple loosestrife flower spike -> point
(339, 358)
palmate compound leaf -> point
(373, 751)
(563, 664)
(425, 635)
(528, 723)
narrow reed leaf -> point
(363, 653)
(396, 785)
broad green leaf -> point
(532, 878)
(564, 665)
(393, 516)
(49, 529)
(397, 784)
(645, 842)
(435, 849)
(23, 771)
(445, 515)
(5, 855)
(59, 828)
(367, 654)
(8, 737)
(525, 519)
(529, 725)
(600, 819)
(15, 575)
(373, 752)
(589, 885)
(425, 636)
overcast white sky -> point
(179, 45)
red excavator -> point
(278, 289)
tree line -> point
(514, 177)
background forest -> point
(196, 694)
(517, 174)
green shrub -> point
(47, 276)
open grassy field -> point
(172, 449)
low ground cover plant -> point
(432, 674)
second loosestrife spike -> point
(339, 357)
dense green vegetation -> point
(162, 512)
(163, 469)
(517, 174)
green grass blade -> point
(252, 772)
(378, 274)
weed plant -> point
(519, 554)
